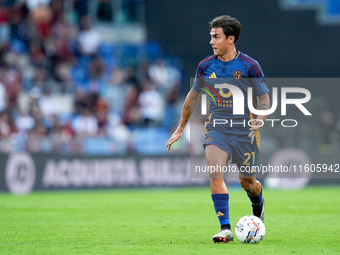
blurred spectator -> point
(62, 35)
(88, 38)
(20, 62)
(131, 115)
(5, 128)
(35, 136)
(170, 119)
(4, 26)
(85, 124)
(115, 91)
(165, 77)
(11, 78)
(40, 80)
(117, 76)
(117, 130)
(143, 71)
(130, 77)
(49, 108)
(57, 7)
(95, 74)
(46, 50)
(158, 72)
(101, 111)
(3, 96)
(39, 129)
(34, 96)
(33, 4)
(151, 104)
(19, 22)
(50, 50)
(42, 16)
(81, 101)
(38, 55)
(96, 68)
(24, 122)
(56, 127)
(61, 132)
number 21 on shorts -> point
(248, 157)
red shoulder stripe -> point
(253, 63)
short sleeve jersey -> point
(242, 72)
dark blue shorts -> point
(244, 155)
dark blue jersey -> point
(242, 72)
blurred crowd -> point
(64, 90)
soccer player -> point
(241, 142)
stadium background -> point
(90, 92)
(91, 80)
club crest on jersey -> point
(237, 74)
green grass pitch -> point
(165, 221)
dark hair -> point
(229, 25)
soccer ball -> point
(250, 229)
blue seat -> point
(78, 74)
(97, 146)
(152, 50)
(333, 7)
(84, 61)
(102, 146)
(18, 46)
(106, 50)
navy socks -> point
(221, 204)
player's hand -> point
(175, 136)
(253, 130)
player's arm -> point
(264, 105)
(189, 105)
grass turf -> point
(164, 221)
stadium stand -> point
(69, 91)
(48, 82)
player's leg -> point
(254, 191)
(246, 156)
(216, 159)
